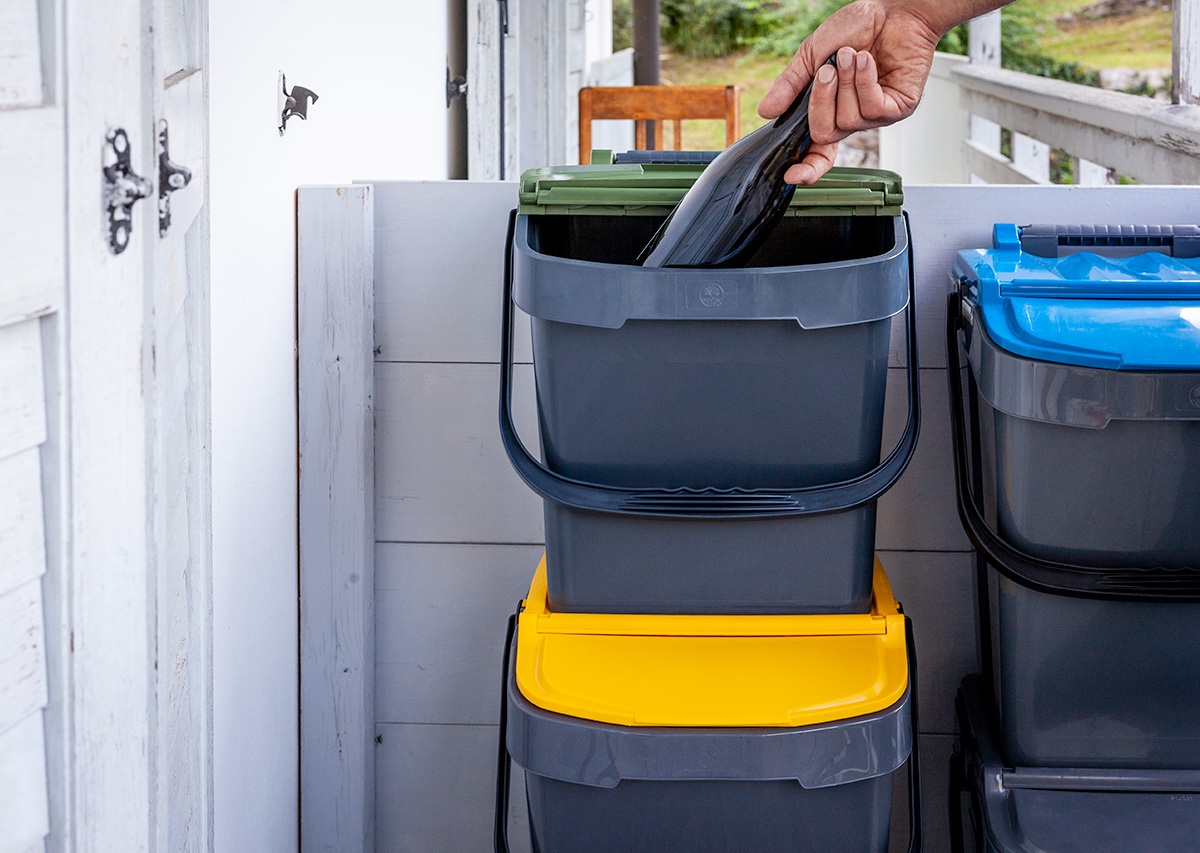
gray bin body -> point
(766, 377)
(1094, 683)
(1070, 810)
(1089, 466)
(598, 788)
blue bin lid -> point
(1137, 312)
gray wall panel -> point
(439, 622)
(440, 472)
(435, 787)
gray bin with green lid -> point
(729, 420)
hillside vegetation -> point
(747, 43)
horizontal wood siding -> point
(23, 811)
(24, 805)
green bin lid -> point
(653, 189)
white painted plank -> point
(23, 811)
(919, 513)
(441, 472)
(22, 533)
(22, 389)
(440, 617)
(1153, 142)
(1089, 174)
(1185, 44)
(483, 90)
(436, 789)
(1031, 157)
(442, 305)
(337, 628)
(22, 654)
(111, 561)
(31, 217)
(20, 54)
(991, 166)
(938, 594)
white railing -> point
(955, 135)
(1144, 139)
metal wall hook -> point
(171, 177)
(293, 104)
(122, 189)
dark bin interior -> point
(796, 240)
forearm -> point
(941, 16)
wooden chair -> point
(657, 104)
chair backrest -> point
(657, 104)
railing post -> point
(1089, 174)
(1185, 60)
(1032, 157)
(983, 47)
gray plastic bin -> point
(1090, 666)
(692, 418)
(1087, 370)
(598, 788)
(1015, 809)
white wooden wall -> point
(457, 535)
(31, 295)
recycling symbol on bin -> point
(712, 295)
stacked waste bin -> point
(710, 656)
(1077, 445)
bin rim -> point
(1015, 385)
(604, 295)
(535, 736)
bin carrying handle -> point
(504, 759)
(1115, 584)
(1181, 241)
(703, 503)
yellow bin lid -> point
(684, 670)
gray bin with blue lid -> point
(1077, 452)
(710, 438)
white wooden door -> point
(180, 509)
(31, 295)
(103, 425)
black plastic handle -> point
(1114, 584)
(703, 503)
(1182, 241)
(666, 158)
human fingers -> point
(822, 107)
(816, 163)
(879, 106)
(849, 115)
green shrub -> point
(622, 24)
(710, 28)
(1021, 29)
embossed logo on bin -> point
(1194, 396)
(712, 295)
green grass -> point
(1138, 41)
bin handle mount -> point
(703, 503)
